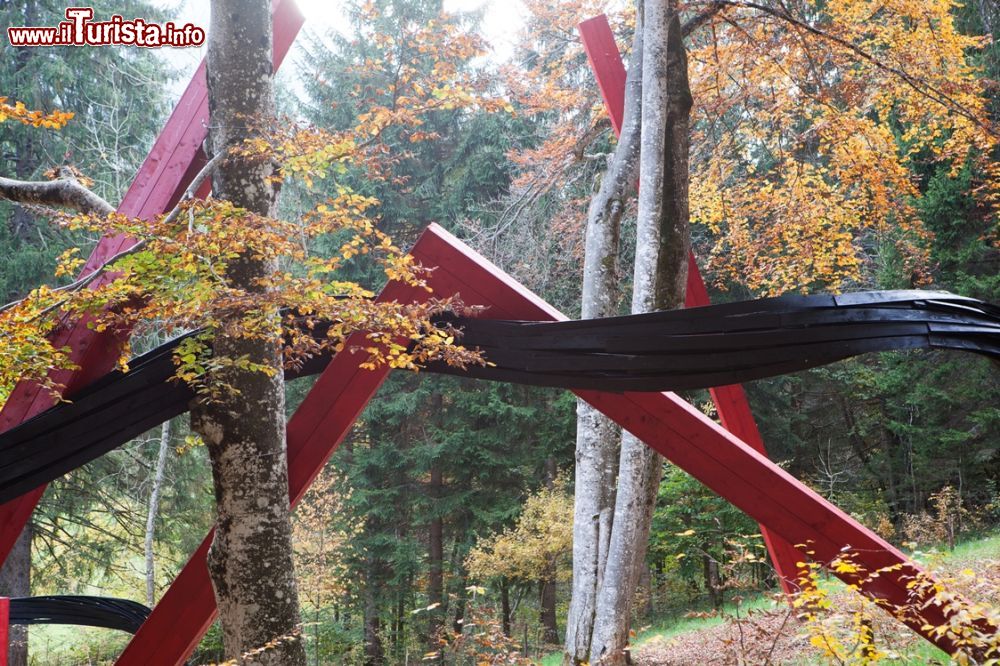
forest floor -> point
(764, 631)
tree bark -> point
(15, 581)
(26, 158)
(505, 606)
(713, 584)
(547, 584)
(250, 561)
(374, 653)
(660, 280)
(64, 191)
(435, 545)
(547, 609)
(154, 508)
(597, 436)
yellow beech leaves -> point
(17, 111)
(174, 278)
(541, 538)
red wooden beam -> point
(671, 426)
(172, 163)
(4, 630)
(730, 401)
(172, 631)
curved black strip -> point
(680, 349)
(725, 344)
(104, 612)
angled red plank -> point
(4, 629)
(172, 163)
(685, 436)
(730, 401)
(665, 422)
(171, 633)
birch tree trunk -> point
(660, 279)
(250, 561)
(597, 436)
(154, 508)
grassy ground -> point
(655, 641)
(655, 645)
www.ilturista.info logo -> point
(79, 30)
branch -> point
(79, 284)
(192, 189)
(701, 18)
(66, 191)
(922, 87)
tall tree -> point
(663, 241)
(243, 426)
(597, 437)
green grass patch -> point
(966, 553)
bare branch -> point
(701, 18)
(66, 191)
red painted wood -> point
(4, 629)
(668, 424)
(686, 437)
(160, 182)
(730, 401)
(319, 425)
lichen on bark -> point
(243, 425)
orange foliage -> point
(806, 126)
(803, 147)
(18, 112)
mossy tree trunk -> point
(250, 561)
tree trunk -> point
(374, 654)
(597, 436)
(26, 161)
(250, 562)
(435, 546)
(547, 584)
(713, 584)
(646, 591)
(505, 606)
(463, 599)
(154, 507)
(547, 608)
(15, 581)
(660, 280)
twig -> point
(100, 270)
(777, 637)
(196, 182)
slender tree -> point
(596, 435)
(663, 241)
(159, 475)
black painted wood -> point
(659, 351)
(106, 612)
